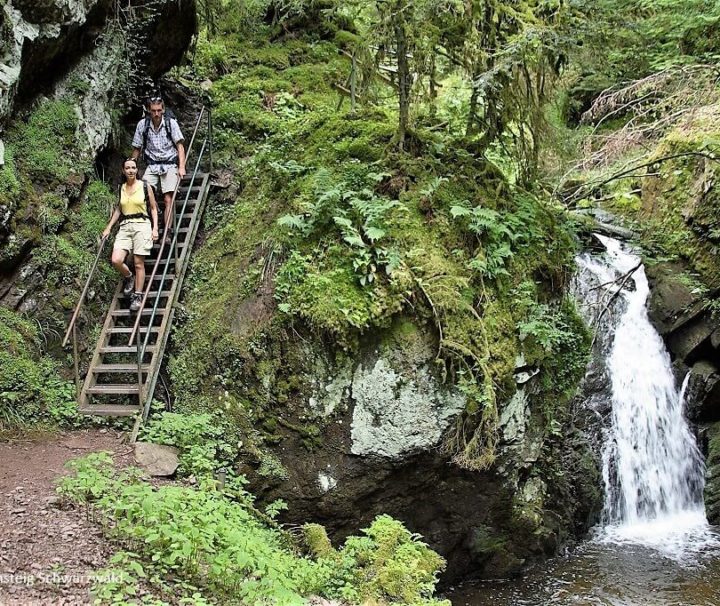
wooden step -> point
(124, 313)
(126, 330)
(162, 293)
(107, 349)
(110, 410)
(119, 389)
(112, 368)
(156, 246)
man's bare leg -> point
(169, 217)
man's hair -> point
(154, 98)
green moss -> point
(272, 468)
(317, 541)
(44, 145)
(9, 182)
(680, 217)
(485, 542)
(345, 237)
(31, 389)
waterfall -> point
(652, 468)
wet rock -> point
(670, 297)
(712, 475)
(157, 460)
(702, 397)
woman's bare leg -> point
(139, 272)
(118, 261)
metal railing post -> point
(75, 363)
(139, 371)
(76, 313)
(210, 138)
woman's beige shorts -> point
(135, 236)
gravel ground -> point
(48, 555)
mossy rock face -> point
(681, 206)
(357, 314)
(712, 474)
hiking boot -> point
(128, 285)
(135, 301)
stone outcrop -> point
(383, 419)
(41, 43)
(396, 414)
(692, 334)
(703, 393)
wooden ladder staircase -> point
(118, 383)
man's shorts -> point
(166, 181)
(135, 236)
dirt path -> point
(48, 555)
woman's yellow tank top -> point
(134, 203)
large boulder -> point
(372, 437)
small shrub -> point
(200, 438)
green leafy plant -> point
(200, 438)
(208, 545)
(361, 218)
(495, 236)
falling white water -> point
(652, 468)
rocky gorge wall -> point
(69, 73)
(341, 429)
(362, 435)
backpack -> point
(167, 115)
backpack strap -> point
(146, 129)
(145, 215)
(167, 116)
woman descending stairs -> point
(125, 366)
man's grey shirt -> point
(159, 147)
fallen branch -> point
(625, 277)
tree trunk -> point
(470, 128)
(404, 77)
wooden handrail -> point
(85, 289)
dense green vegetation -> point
(210, 545)
(57, 213)
(347, 234)
(399, 167)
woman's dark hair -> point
(123, 178)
